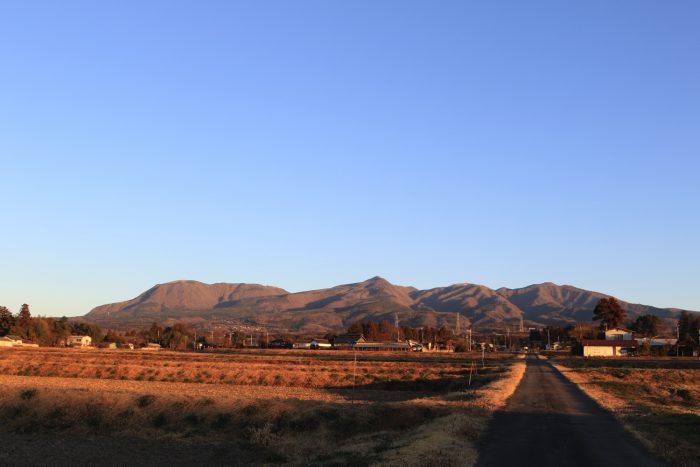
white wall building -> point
(618, 334)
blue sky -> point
(305, 144)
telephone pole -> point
(396, 323)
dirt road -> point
(548, 421)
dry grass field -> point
(657, 399)
(261, 407)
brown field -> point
(293, 407)
(657, 399)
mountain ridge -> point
(334, 308)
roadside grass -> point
(657, 400)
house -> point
(79, 341)
(151, 346)
(317, 344)
(348, 341)
(608, 347)
(618, 334)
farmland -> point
(294, 407)
(657, 399)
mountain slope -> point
(482, 305)
(189, 295)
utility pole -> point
(678, 338)
(396, 323)
(457, 326)
(354, 374)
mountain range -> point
(210, 306)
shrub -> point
(262, 436)
(145, 400)
(28, 394)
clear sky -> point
(305, 144)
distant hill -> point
(333, 309)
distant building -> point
(348, 341)
(107, 345)
(280, 344)
(16, 340)
(447, 346)
(6, 342)
(151, 346)
(608, 347)
(318, 344)
(384, 346)
(79, 341)
(657, 341)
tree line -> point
(42, 330)
(54, 332)
(386, 331)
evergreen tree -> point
(689, 328)
(6, 320)
(24, 317)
